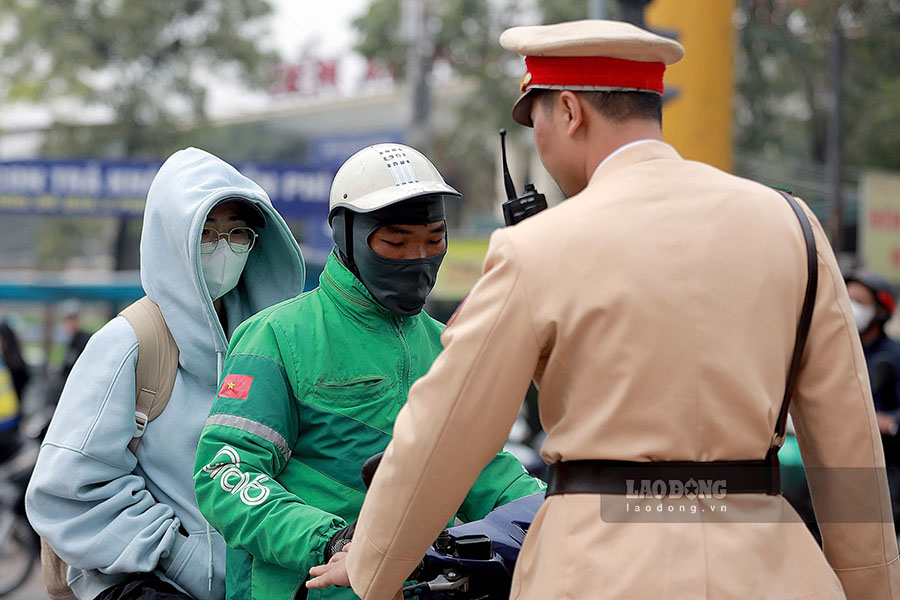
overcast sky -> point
(299, 27)
(322, 29)
(299, 23)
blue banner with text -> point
(100, 188)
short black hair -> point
(615, 106)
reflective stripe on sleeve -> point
(257, 429)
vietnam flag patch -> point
(236, 386)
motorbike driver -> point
(311, 387)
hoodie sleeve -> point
(84, 497)
(245, 444)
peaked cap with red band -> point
(591, 55)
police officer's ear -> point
(572, 111)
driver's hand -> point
(333, 573)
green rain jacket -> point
(310, 390)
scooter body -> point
(475, 560)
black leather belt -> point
(648, 479)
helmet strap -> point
(348, 233)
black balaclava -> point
(400, 285)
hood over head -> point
(188, 185)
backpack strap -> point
(154, 378)
(809, 300)
(55, 574)
(157, 363)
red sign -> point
(236, 386)
(884, 218)
(307, 77)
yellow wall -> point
(698, 121)
(461, 268)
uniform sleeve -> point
(834, 418)
(245, 444)
(455, 421)
(503, 480)
(84, 497)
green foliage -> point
(872, 111)
(783, 79)
(63, 238)
(380, 37)
(141, 61)
(464, 35)
(557, 12)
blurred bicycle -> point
(20, 546)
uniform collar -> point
(353, 299)
(634, 152)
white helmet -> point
(384, 174)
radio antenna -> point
(507, 179)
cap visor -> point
(257, 215)
(521, 112)
(254, 215)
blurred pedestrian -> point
(70, 311)
(658, 310)
(873, 301)
(112, 492)
(12, 355)
(9, 415)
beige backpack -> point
(154, 377)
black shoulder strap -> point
(809, 300)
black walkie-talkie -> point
(518, 208)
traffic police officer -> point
(657, 311)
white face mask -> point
(862, 314)
(222, 268)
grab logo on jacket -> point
(235, 481)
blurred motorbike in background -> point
(20, 546)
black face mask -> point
(400, 285)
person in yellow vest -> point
(657, 311)
(9, 415)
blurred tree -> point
(148, 64)
(557, 12)
(60, 239)
(145, 65)
(463, 36)
(783, 83)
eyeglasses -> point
(239, 239)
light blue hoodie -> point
(107, 512)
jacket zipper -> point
(398, 321)
(359, 302)
(406, 366)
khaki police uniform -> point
(656, 311)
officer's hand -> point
(338, 541)
(334, 573)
